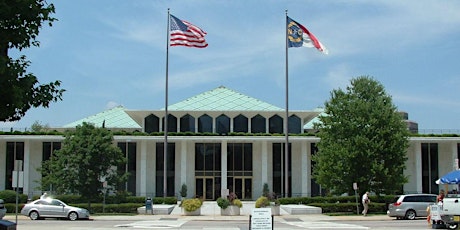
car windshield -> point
(395, 199)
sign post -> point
(261, 219)
(355, 187)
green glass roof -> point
(113, 118)
(222, 99)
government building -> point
(217, 140)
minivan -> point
(410, 206)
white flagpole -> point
(286, 122)
(165, 125)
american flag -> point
(183, 33)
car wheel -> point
(452, 226)
(34, 215)
(410, 215)
(73, 216)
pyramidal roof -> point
(222, 99)
(113, 118)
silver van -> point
(2, 209)
(410, 206)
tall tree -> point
(20, 23)
(363, 139)
(86, 159)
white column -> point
(143, 168)
(305, 168)
(454, 156)
(26, 165)
(264, 162)
(418, 166)
(183, 162)
(223, 160)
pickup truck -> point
(447, 213)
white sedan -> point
(53, 208)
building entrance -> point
(207, 187)
(241, 186)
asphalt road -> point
(142, 222)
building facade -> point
(218, 140)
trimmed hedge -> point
(349, 207)
(335, 199)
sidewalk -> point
(210, 211)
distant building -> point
(205, 153)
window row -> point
(222, 124)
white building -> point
(207, 155)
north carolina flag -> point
(299, 36)
(183, 33)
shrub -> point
(223, 203)
(9, 196)
(191, 205)
(262, 202)
(238, 203)
(231, 200)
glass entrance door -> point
(205, 188)
(241, 186)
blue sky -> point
(113, 52)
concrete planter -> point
(193, 213)
(231, 210)
(275, 210)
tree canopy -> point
(86, 159)
(20, 24)
(363, 139)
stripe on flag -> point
(299, 36)
(183, 33)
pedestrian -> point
(366, 202)
(43, 196)
(440, 197)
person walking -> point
(365, 201)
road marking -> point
(154, 224)
(324, 225)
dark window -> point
(205, 124)
(239, 157)
(172, 123)
(275, 124)
(222, 124)
(170, 169)
(429, 167)
(151, 123)
(49, 148)
(294, 124)
(240, 124)
(187, 123)
(258, 124)
(129, 151)
(14, 151)
(278, 169)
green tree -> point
(86, 158)
(363, 139)
(37, 126)
(20, 23)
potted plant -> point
(192, 207)
(271, 202)
(229, 206)
(183, 191)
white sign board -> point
(15, 183)
(261, 219)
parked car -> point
(411, 206)
(53, 208)
(2, 209)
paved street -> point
(210, 219)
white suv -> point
(410, 206)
